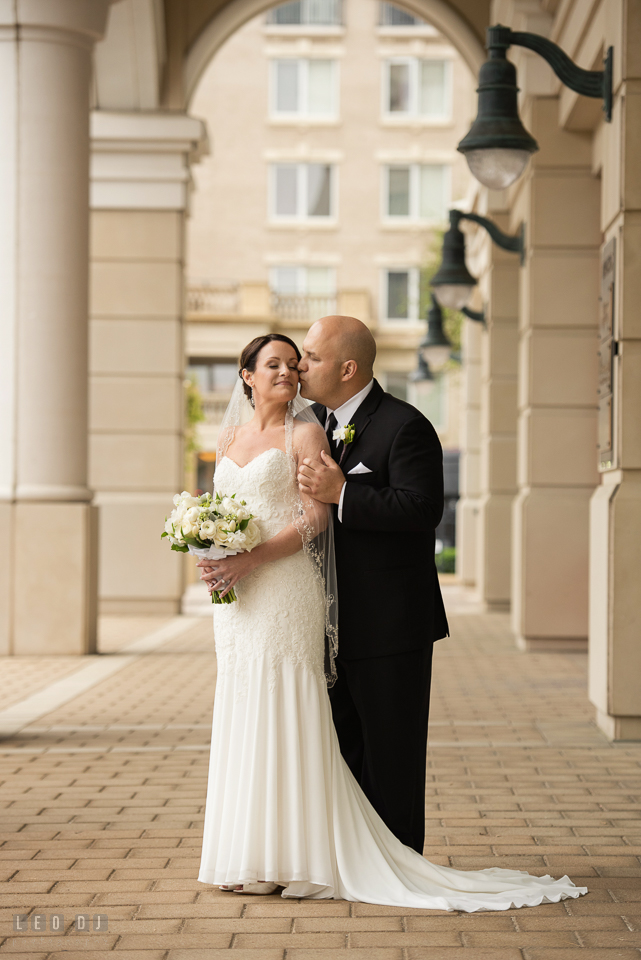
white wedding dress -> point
(282, 805)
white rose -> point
(252, 535)
(242, 513)
(192, 514)
(169, 526)
(177, 499)
(221, 535)
(189, 529)
(207, 530)
(185, 506)
(228, 506)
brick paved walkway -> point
(102, 802)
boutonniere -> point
(346, 434)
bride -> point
(283, 809)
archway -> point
(215, 344)
(223, 25)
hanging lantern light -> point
(498, 147)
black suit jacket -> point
(389, 598)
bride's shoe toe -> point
(261, 888)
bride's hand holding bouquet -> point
(213, 528)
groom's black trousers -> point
(380, 707)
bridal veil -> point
(313, 520)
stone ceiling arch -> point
(440, 13)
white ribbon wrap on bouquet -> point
(212, 553)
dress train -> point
(282, 804)
(298, 817)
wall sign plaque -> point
(607, 353)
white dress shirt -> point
(343, 415)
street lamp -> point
(498, 147)
(435, 347)
(422, 374)
(477, 315)
(453, 283)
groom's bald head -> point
(338, 360)
(349, 339)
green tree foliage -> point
(194, 414)
(446, 560)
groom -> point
(385, 479)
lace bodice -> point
(279, 614)
(267, 484)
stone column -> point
(615, 514)
(140, 186)
(45, 75)
(467, 508)
(498, 423)
(556, 434)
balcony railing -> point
(302, 306)
(214, 407)
(253, 301)
(215, 297)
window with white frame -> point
(396, 383)
(213, 375)
(304, 89)
(309, 12)
(431, 399)
(415, 88)
(302, 191)
(305, 280)
(400, 294)
(416, 192)
(393, 16)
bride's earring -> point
(251, 399)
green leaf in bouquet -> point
(195, 542)
(163, 535)
(243, 525)
(180, 549)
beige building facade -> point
(333, 166)
(552, 467)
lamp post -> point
(498, 147)
(422, 374)
(436, 347)
(453, 283)
(477, 315)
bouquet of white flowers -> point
(211, 528)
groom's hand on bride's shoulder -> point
(321, 479)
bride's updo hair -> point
(250, 354)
